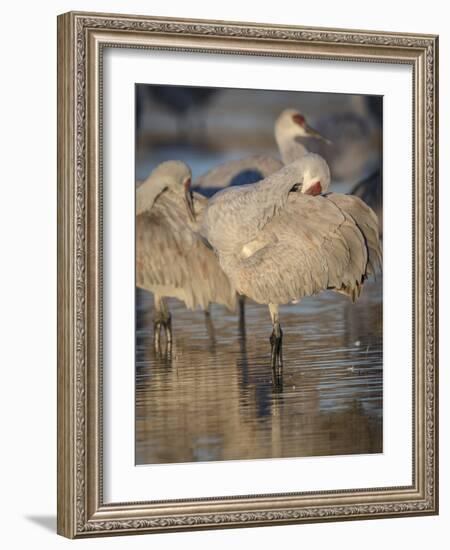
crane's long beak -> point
(189, 200)
(311, 132)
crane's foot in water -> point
(276, 356)
(162, 326)
(241, 304)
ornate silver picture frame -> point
(82, 40)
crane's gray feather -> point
(172, 260)
(239, 213)
(367, 221)
(277, 246)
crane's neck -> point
(272, 193)
(289, 146)
(147, 193)
(282, 181)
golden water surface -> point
(213, 397)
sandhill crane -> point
(291, 128)
(171, 259)
(281, 239)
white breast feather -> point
(251, 247)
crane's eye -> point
(295, 188)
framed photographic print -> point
(247, 288)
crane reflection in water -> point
(216, 401)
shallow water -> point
(213, 398)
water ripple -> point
(214, 400)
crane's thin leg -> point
(276, 343)
(210, 327)
(162, 321)
(167, 325)
(241, 302)
(157, 316)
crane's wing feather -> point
(170, 255)
(238, 214)
(310, 245)
(367, 221)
